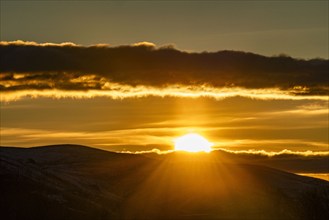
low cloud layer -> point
(29, 66)
(250, 153)
(281, 154)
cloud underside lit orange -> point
(117, 91)
(139, 70)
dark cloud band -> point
(68, 66)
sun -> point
(192, 142)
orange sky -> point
(244, 74)
(136, 124)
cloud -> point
(155, 150)
(144, 43)
(32, 43)
(30, 67)
(292, 161)
(281, 154)
(117, 91)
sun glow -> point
(192, 143)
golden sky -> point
(134, 75)
(136, 124)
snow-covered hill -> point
(77, 182)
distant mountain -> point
(78, 182)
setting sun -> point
(192, 143)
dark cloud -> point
(72, 67)
(292, 161)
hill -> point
(78, 182)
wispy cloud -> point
(284, 152)
(32, 43)
(117, 91)
(156, 151)
(252, 152)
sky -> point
(296, 28)
(135, 75)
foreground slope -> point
(77, 182)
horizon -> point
(281, 161)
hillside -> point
(78, 182)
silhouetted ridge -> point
(77, 182)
